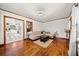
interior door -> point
(14, 30)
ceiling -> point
(42, 12)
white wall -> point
(36, 25)
(57, 25)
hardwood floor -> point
(59, 47)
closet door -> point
(14, 30)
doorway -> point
(29, 28)
(13, 30)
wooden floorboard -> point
(59, 47)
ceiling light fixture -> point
(40, 12)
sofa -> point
(37, 34)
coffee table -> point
(44, 38)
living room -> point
(39, 26)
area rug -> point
(42, 44)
